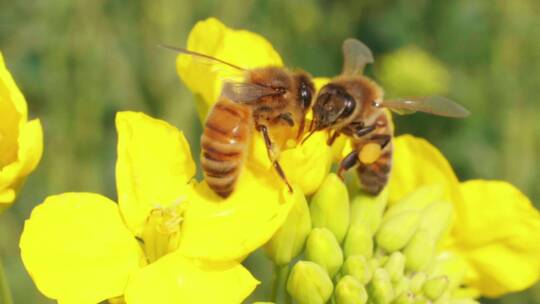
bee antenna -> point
(196, 54)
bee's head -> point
(332, 106)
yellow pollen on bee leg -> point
(369, 153)
(161, 233)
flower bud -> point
(417, 281)
(380, 288)
(433, 288)
(359, 240)
(419, 251)
(402, 286)
(374, 264)
(309, 283)
(452, 266)
(417, 200)
(395, 266)
(463, 301)
(397, 231)
(404, 298)
(436, 218)
(330, 207)
(323, 249)
(350, 291)
(368, 210)
(289, 240)
(420, 299)
(358, 267)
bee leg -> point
(347, 163)
(332, 138)
(382, 139)
(264, 130)
(287, 118)
(364, 130)
(300, 130)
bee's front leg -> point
(264, 130)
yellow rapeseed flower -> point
(305, 165)
(496, 232)
(169, 239)
(21, 141)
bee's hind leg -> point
(347, 163)
(264, 130)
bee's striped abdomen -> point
(224, 144)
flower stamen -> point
(161, 234)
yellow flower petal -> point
(417, 163)
(216, 229)
(154, 166)
(176, 279)
(9, 91)
(20, 141)
(308, 164)
(499, 235)
(30, 146)
(12, 115)
(77, 249)
(240, 47)
(6, 197)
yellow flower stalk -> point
(305, 165)
(21, 141)
(168, 240)
(496, 231)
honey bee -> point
(268, 98)
(353, 105)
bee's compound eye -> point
(305, 95)
(349, 105)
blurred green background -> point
(79, 62)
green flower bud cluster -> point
(360, 251)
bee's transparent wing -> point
(435, 105)
(356, 56)
(243, 92)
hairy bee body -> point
(271, 99)
(374, 176)
(224, 144)
(352, 104)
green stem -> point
(279, 290)
(5, 293)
